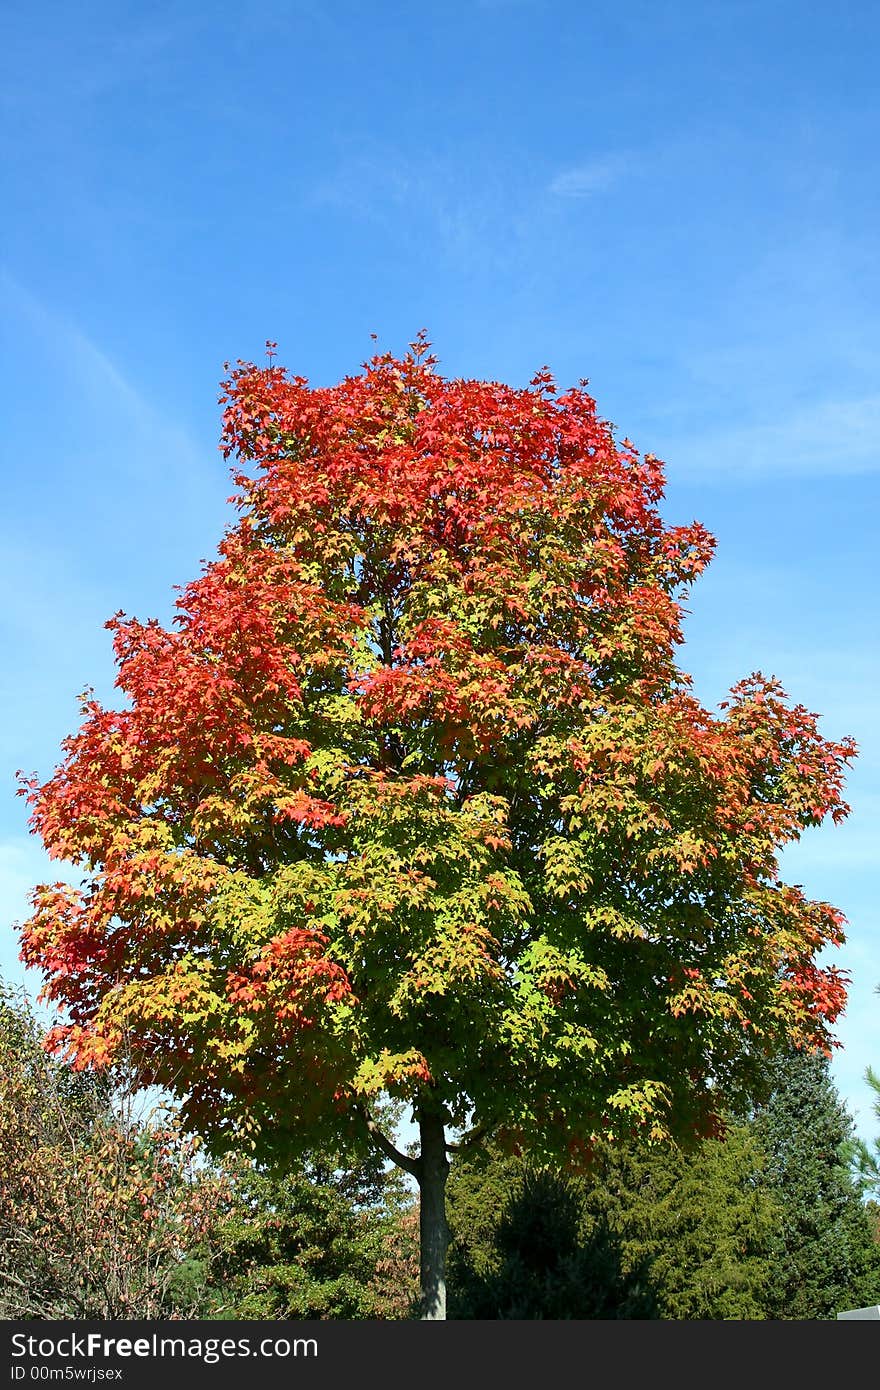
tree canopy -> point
(413, 798)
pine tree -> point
(699, 1224)
(525, 1246)
(825, 1258)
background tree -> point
(650, 1232)
(100, 1217)
(317, 1242)
(825, 1257)
(395, 1284)
(865, 1158)
(414, 799)
(700, 1224)
(525, 1245)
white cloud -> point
(594, 176)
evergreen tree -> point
(825, 1257)
(312, 1244)
(699, 1224)
(524, 1246)
(865, 1158)
(653, 1232)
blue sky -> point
(678, 201)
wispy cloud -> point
(593, 176)
(97, 375)
(113, 503)
(367, 185)
(83, 69)
(419, 199)
(830, 438)
(132, 431)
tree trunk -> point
(433, 1168)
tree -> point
(651, 1232)
(825, 1257)
(698, 1225)
(100, 1217)
(317, 1242)
(866, 1157)
(864, 1161)
(525, 1245)
(414, 800)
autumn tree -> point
(413, 798)
(103, 1214)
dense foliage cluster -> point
(102, 1215)
(825, 1254)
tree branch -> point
(385, 1146)
(467, 1141)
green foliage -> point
(524, 1246)
(103, 1217)
(651, 1232)
(699, 1223)
(864, 1158)
(313, 1244)
(766, 1223)
(825, 1255)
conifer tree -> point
(824, 1256)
